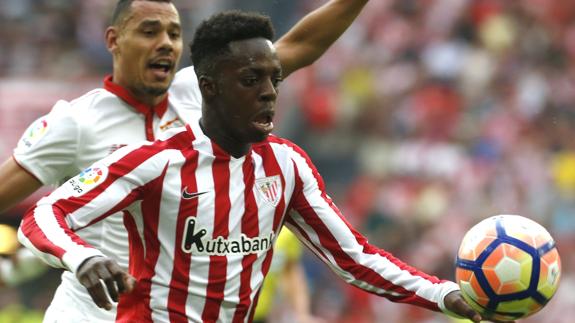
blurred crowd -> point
(424, 118)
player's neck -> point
(223, 139)
(148, 99)
(144, 96)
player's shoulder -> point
(173, 139)
(87, 103)
(179, 138)
(284, 150)
(283, 144)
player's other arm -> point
(315, 33)
(46, 232)
(15, 184)
(48, 229)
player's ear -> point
(112, 39)
(208, 86)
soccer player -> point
(203, 205)
(134, 105)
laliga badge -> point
(88, 179)
(34, 133)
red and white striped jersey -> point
(202, 224)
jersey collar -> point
(126, 96)
(219, 152)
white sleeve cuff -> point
(73, 259)
(446, 288)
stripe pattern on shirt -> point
(206, 228)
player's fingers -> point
(129, 282)
(108, 278)
(112, 289)
(96, 290)
(119, 279)
(455, 303)
(91, 273)
(467, 311)
(116, 279)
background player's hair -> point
(213, 36)
(123, 7)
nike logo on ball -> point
(188, 196)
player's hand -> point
(456, 304)
(96, 270)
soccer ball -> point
(507, 267)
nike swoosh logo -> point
(188, 196)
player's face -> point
(247, 89)
(147, 47)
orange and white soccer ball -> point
(507, 267)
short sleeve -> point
(48, 147)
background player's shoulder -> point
(97, 93)
(172, 132)
(92, 99)
(179, 138)
(185, 91)
(186, 74)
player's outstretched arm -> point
(313, 34)
(15, 184)
(350, 255)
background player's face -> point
(147, 47)
(247, 81)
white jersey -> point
(203, 224)
(75, 134)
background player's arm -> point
(16, 184)
(43, 156)
(294, 285)
(313, 35)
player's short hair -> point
(212, 37)
(123, 7)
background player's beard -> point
(155, 91)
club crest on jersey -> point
(34, 133)
(174, 123)
(196, 242)
(88, 179)
(270, 189)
